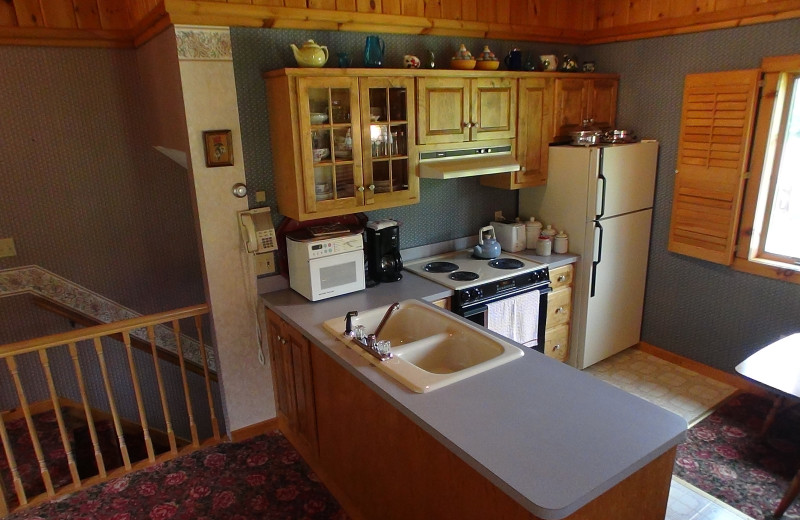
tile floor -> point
(683, 392)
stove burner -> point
(463, 276)
(440, 267)
(506, 263)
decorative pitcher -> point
(373, 51)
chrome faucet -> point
(393, 307)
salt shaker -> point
(544, 245)
(560, 243)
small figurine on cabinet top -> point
(411, 62)
(569, 64)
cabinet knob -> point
(361, 188)
(561, 278)
(283, 341)
(464, 124)
(522, 168)
(559, 310)
(371, 187)
(556, 347)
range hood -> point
(467, 162)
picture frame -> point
(218, 147)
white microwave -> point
(322, 268)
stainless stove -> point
(478, 282)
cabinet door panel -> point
(494, 109)
(571, 99)
(303, 388)
(533, 137)
(443, 110)
(603, 102)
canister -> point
(533, 229)
(549, 231)
(560, 243)
(544, 245)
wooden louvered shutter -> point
(716, 129)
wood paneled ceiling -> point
(126, 23)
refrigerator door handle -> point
(601, 177)
(599, 226)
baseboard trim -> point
(734, 380)
(254, 429)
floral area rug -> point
(261, 478)
(724, 456)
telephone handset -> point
(258, 233)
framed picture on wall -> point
(219, 148)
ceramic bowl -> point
(487, 64)
(318, 118)
(320, 153)
(462, 64)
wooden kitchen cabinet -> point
(534, 126)
(333, 159)
(581, 99)
(290, 358)
(559, 312)
(463, 109)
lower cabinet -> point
(290, 358)
(559, 312)
(379, 464)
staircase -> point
(57, 459)
(93, 406)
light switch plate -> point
(7, 247)
(265, 263)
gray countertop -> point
(548, 435)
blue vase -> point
(373, 51)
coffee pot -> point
(488, 247)
(383, 251)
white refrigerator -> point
(602, 197)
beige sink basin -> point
(431, 347)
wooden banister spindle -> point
(123, 448)
(173, 446)
(176, 328)
(198, 323)
(87, 409)
(73, 468)
(12, 464)
(26, 411)
(137, 392)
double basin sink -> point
(430, 347)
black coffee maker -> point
(383, 251)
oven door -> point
(480, 314)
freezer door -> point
(614, 314)
(627, 178)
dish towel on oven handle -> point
(516, 318)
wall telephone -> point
(257, 230)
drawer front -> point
(556, 342)
(561, 276)
(559, 307)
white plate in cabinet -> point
(559, 307)
(556, 342)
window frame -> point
(749, 254)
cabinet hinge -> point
(747, 175)
(760, 83)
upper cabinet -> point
(463, 109)
(581, 99)
(341, 144)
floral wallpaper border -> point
(41, 282)
(196, 43)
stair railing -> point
(44, 345)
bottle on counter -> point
(544, 245)
(560, 243)
(533, 229)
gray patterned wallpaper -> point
(448, 209)
(697, 309)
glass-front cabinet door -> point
(388, 138)
(330, 142)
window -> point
(769, 238)
(776, 237)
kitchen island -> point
(533, 438)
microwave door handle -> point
(599, 226)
